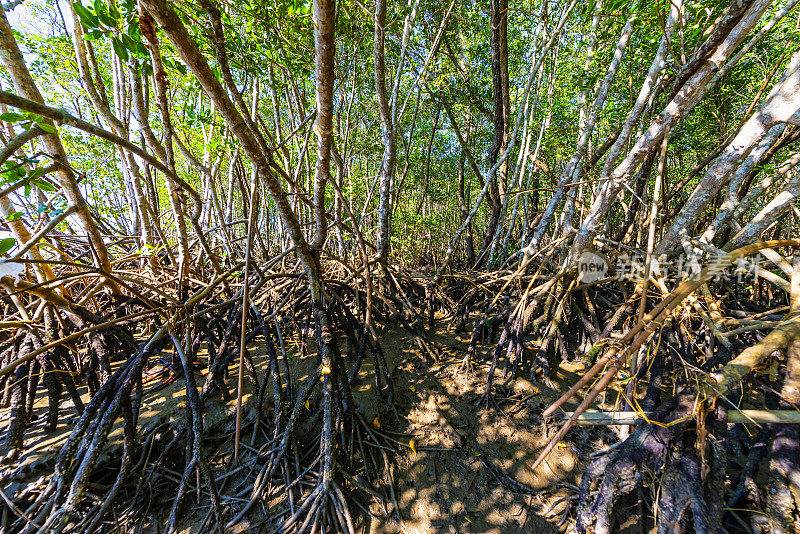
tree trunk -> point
(25, 86)
(686, 97)
(782, 105)
(388, 131)
(324, 45)
(498, 14)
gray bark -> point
(686, 97)
(782, 105)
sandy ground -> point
(161, 403)
(468, 469)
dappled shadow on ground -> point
(459, 466)
(469, 469)
(162, 401)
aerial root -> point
(314, 479)
(321, 480)
(681, 489)
(519, 324)
(688, 482)
(782, 494)
(620, 471)
(746, 488)
(194, 418)
(57, 506)
(324, 510)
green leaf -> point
(616, 5)
(93, 35)
(33, 116)
(49, 128)
(43, 185)
(11, 117)
(134, 31)
(120, 49)
(15, 172)
(7, 244)
(107, 20)
(102, 13)
(129, 43)
(88, 19)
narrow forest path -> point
(470, 467)
(468, 470)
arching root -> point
(656, 449)
(783, 486)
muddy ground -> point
(459, 466)
(470, 467)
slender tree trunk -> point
(191, 55)
(498, 14)
(686, 97)
(463, 205)
(572, 167)
(177, 202)
(388, 131)
(25, 86)
(324, 44)
(426, 176)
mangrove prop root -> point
(620, 471)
